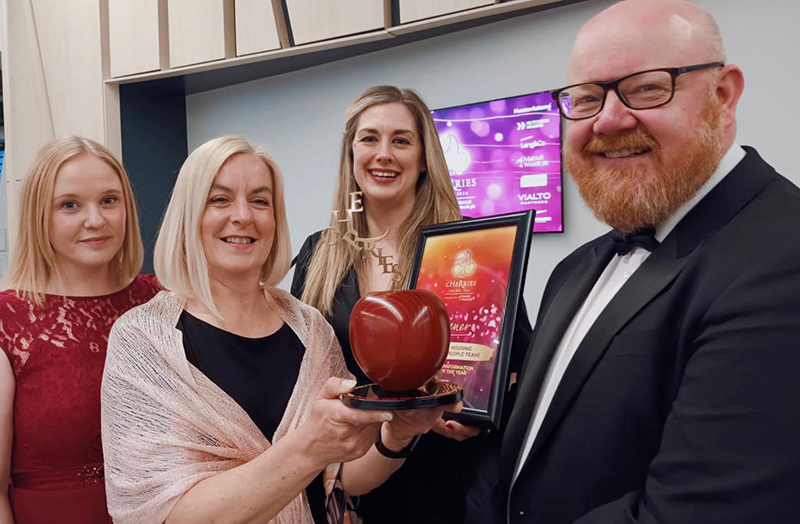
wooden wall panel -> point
(259, 26)
(314, 20)
(28, 122)
(69, 41)
(138, 37)
(52, 82)
(413, 10)
(200, 31)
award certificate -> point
(476, 267)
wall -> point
(52, 83)
(3, 199)
(299, 115)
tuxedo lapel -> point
(548, 334)
(660, 268)
(733, 193)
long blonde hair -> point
(179, 259)
(33, 262)
(435, 201)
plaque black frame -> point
(523, 220)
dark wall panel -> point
(154, 146)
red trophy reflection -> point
(400, 339)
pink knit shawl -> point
(166, 426)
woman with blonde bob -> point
(390, 153)
(220, 396)
(73, 272)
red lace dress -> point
(57, 352)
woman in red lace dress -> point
(72, 274)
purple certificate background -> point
(505, 156)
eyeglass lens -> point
(639, 91)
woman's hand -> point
(258, 490)
(455, 430)
(450, 428)
(407, 424)
(337, 433)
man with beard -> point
(661, 383)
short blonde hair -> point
(435, 200)
(33, 262)
(179, 259)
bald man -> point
(663, 381)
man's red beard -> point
(628, 198)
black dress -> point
(258, 373)
(432, 485)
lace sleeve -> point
(15, 335)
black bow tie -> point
(643, 237)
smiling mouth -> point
(625, 153)
(384, 174)
(238, 240)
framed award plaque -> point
(477, 268)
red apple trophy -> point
(400, 339)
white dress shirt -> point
(612, 279)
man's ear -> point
(729, 89)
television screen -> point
(505, 156)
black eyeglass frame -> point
(674, 72)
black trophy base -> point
(374, 397)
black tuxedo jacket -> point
(682, 403)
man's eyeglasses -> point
(642, 90)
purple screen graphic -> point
(505, 156)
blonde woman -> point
(73, 272)
(390, 152)
(220, 396)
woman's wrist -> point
(397, 452)
(301, 444)
(392, 441)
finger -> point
(430, 414)
(461, 429)
(336, 386)
(456, 431)
(422, 419)
(454, 408)
(360, 417)
(443, 430)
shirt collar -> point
(734, 155)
